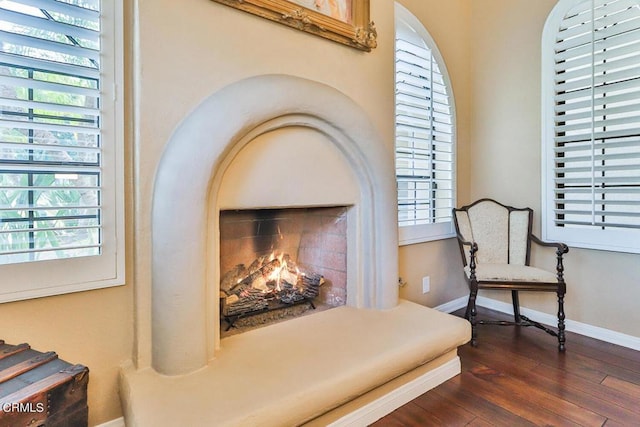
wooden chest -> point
(38, 389)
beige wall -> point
(602, 286)
(448, 23)
(506, 99)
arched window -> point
(425, 134)
(591, 124)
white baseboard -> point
(454, 305)
(596, 332)
(118, 422)
(388, 403)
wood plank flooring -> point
(517, 377)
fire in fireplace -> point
(276, 259)
(269, 283)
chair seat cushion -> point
(511, 273)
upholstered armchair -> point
(495, 244)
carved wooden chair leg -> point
(472, 318)
(516, 306)
(561, 326)
(467, 313)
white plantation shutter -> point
(57, 167)
(424, 135)
(593, 148)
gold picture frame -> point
(343, 21)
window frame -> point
(60, 276)
(611, 239)
(412, 234)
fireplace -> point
(327, 153)
(368, 356)
(280, 263)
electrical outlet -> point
(426, 284)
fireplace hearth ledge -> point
(321, 367)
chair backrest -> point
(501, 232)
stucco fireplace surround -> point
(373, 346)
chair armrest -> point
(474, 245)
(561, 249)
(472, 254)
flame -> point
(282, 267)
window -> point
(61, 147)
(591, 124)
(425, 135)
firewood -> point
(288, 277)
(249, 290)
(232, 278)
(252, 301)
(251, 293)
(260, 269)
(259, 283)
(258, 263)
(231, 299)
(271, 266)
(289, 297)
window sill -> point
(424, 233)
(623, 241)
(56, 277)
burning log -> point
(311, 285)
(246, 301)
(244, 307)
(232, 278)
(290, 297)
(246, 290)
(288, 277)
(259, 276)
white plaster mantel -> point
(184, 289)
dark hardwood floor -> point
(517, 377)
